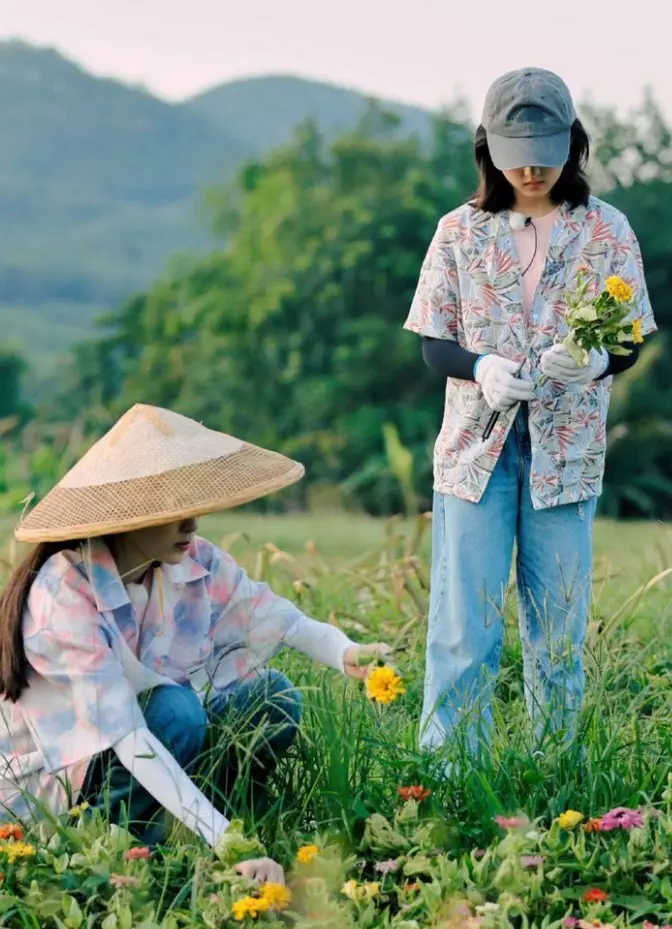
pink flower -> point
(387, 867)
(621, 818)
(532, 861)
(594, 924)
(123, 880)
(479, 853)
(511, 822)
(648, 925)
(137, 854)
(571, 922)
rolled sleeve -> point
(80, 702)
(435, 307)
(629, 265)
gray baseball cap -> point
(527, 117)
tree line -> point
(290, 333)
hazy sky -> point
(420, 51)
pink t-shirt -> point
(524, 242)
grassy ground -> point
(344, 772)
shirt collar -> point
(108, 587)
(187, 570)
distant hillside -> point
(97, 188)
(262, 112)
(99, 181)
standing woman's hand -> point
(559, 366)
(502, 388)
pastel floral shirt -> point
(91, 653)
(470, 291)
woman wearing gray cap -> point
(490, 307)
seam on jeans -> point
(443, 571)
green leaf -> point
(577, 353)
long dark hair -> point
(495, 194)
(14, 665)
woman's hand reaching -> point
(261, 871)
(358, 658)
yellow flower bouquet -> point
(600, 322)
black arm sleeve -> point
(619, 363)
(449, 359)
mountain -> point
(97, 188)
(262, 112)
(100, 181)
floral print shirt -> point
(91, 653)
(470, 291)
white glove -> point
(261, 870)
(559, 366)
(502, 389)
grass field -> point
(378, 859)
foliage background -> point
(287, 330)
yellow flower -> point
(306, 853)
(16, 850)
(619, 289)
(276, 896)
(77, 811)
(384, 685)
(354, 891)
(637, 336)
(248, 906)
(350, 890)
(570, 819)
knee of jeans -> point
(282, 708)
(176, 717)
(283, 698)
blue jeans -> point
(264, 712)
(473, 547)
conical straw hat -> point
(155, 466)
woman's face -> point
(166, 544)
(533, 183)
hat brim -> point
(71, 513)
(549, 151)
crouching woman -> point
(124, 636)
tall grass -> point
(352, 756)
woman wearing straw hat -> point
(520, 457)
(123, 635)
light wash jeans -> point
(268, 706)
(473, 547)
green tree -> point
(12, 371)
(290, 334)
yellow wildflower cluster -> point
(15, 850)
(383, 685)
(570, 819)
(77, 811)
(306, 853)
(619, 289)
(356, 891)
(273, 897)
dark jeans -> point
(246, 728)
